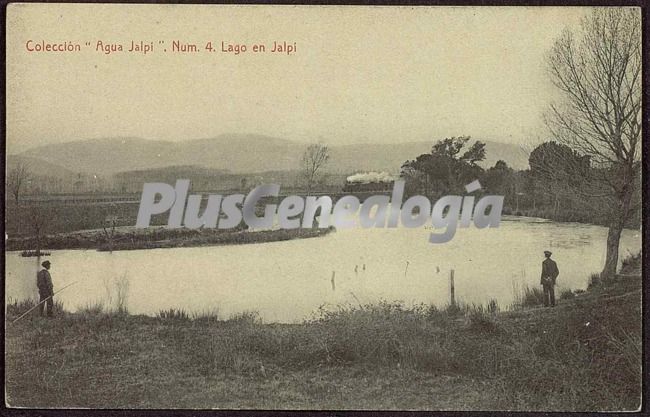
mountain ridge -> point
(240, 153)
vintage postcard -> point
(327, 207)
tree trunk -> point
(611, 261)
(620, 217)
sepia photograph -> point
(275, 207)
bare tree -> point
(38, 220)
(598, 72)
(16, 179)
(109, 229)
(313, 160)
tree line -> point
(561, 184)
(592, 164)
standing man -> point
(549, 275)
(45, 289)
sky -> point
(359, 74)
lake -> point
(287, 281)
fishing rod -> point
(32, 309)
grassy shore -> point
(584, 354)
(129, 238)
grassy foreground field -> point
(585, 354)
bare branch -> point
(313, 160)
(16, 179)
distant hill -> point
(236, 153)
(38, 167)
(106, 156)
(239, 154)
(46, 177)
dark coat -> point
(44, 282)
(550, 270)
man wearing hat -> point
(549, 275)
(45, 288)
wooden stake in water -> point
(451, 288)
(333, 283)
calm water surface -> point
(287, 281)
